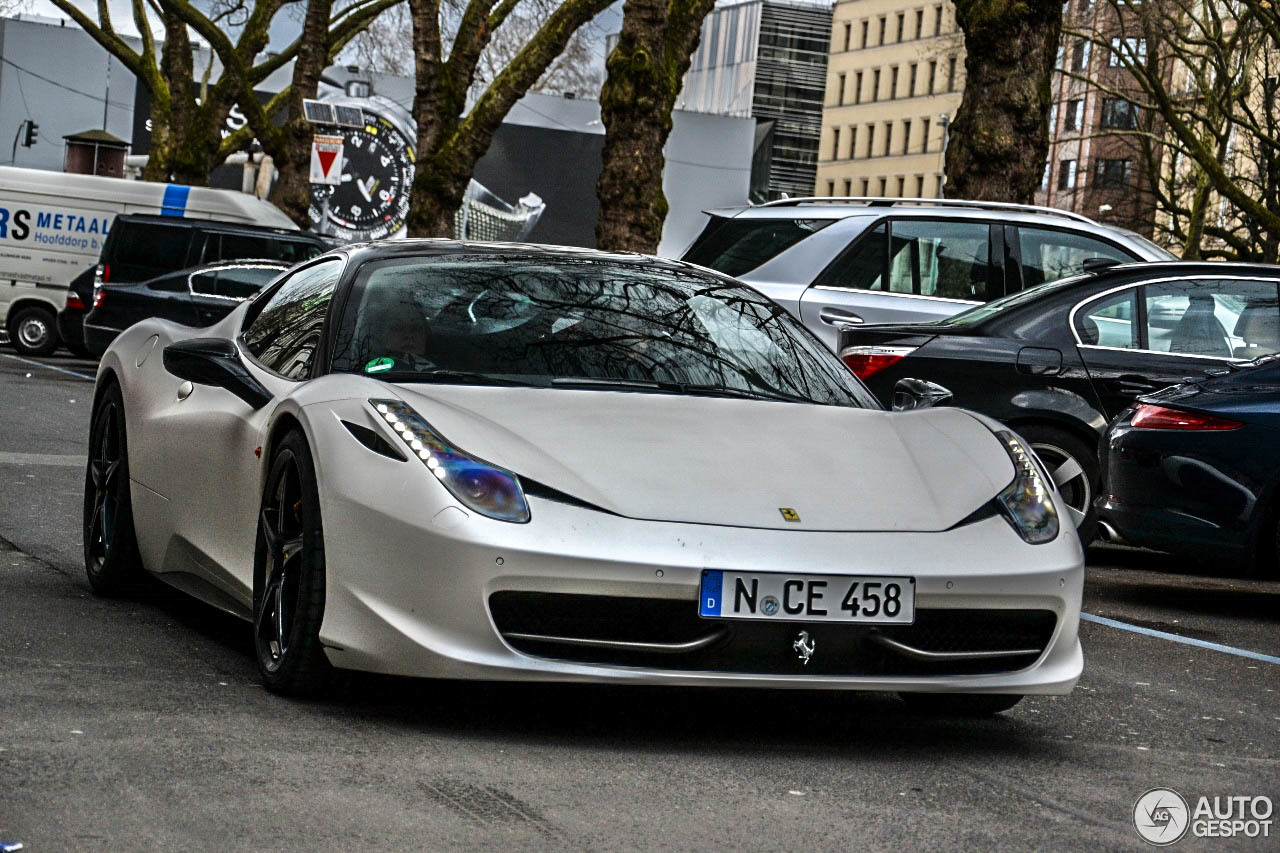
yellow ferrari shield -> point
(788, 513)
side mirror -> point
(911, 394)
(216, 362)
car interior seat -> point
(1259, 327)
(1199, 332)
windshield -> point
(979, 313)
(582, 323)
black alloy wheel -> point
(288, 599)
(110, 546)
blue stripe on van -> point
(175, 200)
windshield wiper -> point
(463, 377)
(742, 393)
(588, 382)
(679, 388)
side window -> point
(1222, 318)
(737, 246)
(244, 282)
(205, 283)
(169, 284)
(1048, 255)
(862, 265)
(946, 259)
(240, 246)
(143, 249)
(286, 332)
(1109, 322)
(295, 251)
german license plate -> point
(807, 598)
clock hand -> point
(364, 191)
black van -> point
(141, 247)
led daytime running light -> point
(1027, 502)
(485, 488)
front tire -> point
(33, 330)
(960, 704)
(1074, 467)
(289, 575)
(110, 544)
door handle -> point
(836, 317)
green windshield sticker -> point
(379, 364)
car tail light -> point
(106, 273)
(74, 302)
(866, 362)
(1159, 417)
(99, 296)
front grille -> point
(561, 626)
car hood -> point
(706, 460)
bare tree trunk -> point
(645, 74)
(1000, 134)
(292, 154)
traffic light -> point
(33, 131)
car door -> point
(215, 291)
(214, 493)
(1145, 336)
(905, 271)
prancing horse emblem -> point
(804, 647)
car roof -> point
(217, 224)
(840, 207)
(1150, 269)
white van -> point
(53, 225)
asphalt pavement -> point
(140, 724)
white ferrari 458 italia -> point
(506, 462)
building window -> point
(938, 184)
(924, 142)
(840, 93)
(866, 25)
(902, 25)
(1119, 113)
(871, 140)
(866, 187)
(835, 143)
(857, 88)
(919, 186)
(1074, 119)
(831, 187)
(888, 137)
(951, 74)
(933, 74)
(906, 137)
(902, 186)
(875, 85)
(1135, 50)
(848, 186)
(1080, 55)
(893, 82)
(911, 81)
(853, 141)
(1044, 178)
(884, 187)
(1053, 120)
(848, 32)
(937, 20)
(1112, 174)
(884, 22)
(919, 23)
(1067, 175)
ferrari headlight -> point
(485, 488)
(1027, 502)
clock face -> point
(377, 172)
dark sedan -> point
(1060, 361)
(1194, 468)
(199, 296)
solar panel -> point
(318, 112)
(349, 116)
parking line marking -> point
(1177, 638)
(50, 366)
(62, 460)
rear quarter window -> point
(139, 250)
(737, 246)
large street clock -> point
(377, 173)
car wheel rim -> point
(104, 467)
(33, 332)
(1070, 477)
(281, 524)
